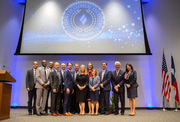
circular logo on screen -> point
(83, 21)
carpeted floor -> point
(20, 115)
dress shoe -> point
(58, 114)
(65, 114)
(116, 113)
(34, 113)
(96, 114)
(30, 113)
(70, 114)
(122, 113)
(131, 114)
(43, 114)
(54, 114)
(107, 113)
(38, 114)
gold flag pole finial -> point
(163, 50)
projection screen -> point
(83, 27)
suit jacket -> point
(68, 81)
(55, 81)
(49, 72)
(106, 80)
(40, 77)
(132, 79)
(94, 83)
(115, 80)
(30, 83)
(75, 82)
(62, 79)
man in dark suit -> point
(30, 87)
(117, 80)
(56, 86)
(50, 70)
(68, 90)
(63, 67)
(105, 88)
(74, 104)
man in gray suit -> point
(30, 87)
(42, 85)
(105, 88)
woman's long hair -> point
(130, 66)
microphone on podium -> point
(7, 69)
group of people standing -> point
(71, 91)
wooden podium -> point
(5, 94)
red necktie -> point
(117, 73)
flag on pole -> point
(166, 86)
(173, 80)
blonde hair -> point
(80, 69)
(95, 72)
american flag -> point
(166, 86)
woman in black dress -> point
(131, 84)
(82, 89)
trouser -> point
(41, 93)
(31, 96)
(121, 94)
(67, 102)
(104, 100)
(55, 101)
(46, 108)
(74, 105)
(61, 102)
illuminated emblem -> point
(83, 21)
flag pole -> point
(176, 107)
(163, 96)
(163, 104)
(175, 98)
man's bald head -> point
(56, 65)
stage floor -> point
(142, 115)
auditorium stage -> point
(142, 115)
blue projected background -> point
(83, 26)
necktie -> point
(45, 74)
(102, 75)
(58, 73)
(34, 75)
(71, 73)
(117, 72)
(75, 75)
(62, 74)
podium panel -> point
(5, 94)
(5, 99)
